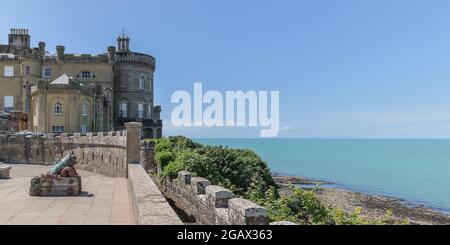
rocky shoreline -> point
(373, 206)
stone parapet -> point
(212, 204)
(149, 205)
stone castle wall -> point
(212, 204)
(103, 153)
(106, 153)
(13, 121)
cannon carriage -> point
(61, 180)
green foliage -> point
(172, 169)
(164, 158)
(355, 218)
(343, 218)
(301, 207)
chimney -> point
(111, 53)
(42, 47)
(60, 52)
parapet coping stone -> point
(282, 223)
(218, 196)
(133, 125)
(246, 207)
(199, 184)
(218, 191)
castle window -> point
(58, 109)
(141, 110)
(46, 72)
(27, 70)
(84, 129)
(85, 109)
(8, 71)
(8, 103)
(86, 74)
(141, 82)
(123, 110)
(57, 129)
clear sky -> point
(344, 69)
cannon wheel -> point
(68, 172)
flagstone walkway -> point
(104, 200)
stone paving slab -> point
(103, 201)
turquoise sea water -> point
(417, 171)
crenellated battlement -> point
(138, 59)
(212, 204)
(104, 152)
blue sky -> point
(344, 69)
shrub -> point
(301, 207)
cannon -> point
(67, 162)
(61, 180)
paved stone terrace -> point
(104, 200)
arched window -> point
(123, 109)
(58, 108)
(141, 82)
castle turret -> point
(19, 38)
(133, 89)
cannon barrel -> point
(68, 161)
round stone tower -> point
(133, 89)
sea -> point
(416, 171)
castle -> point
(78, 93)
